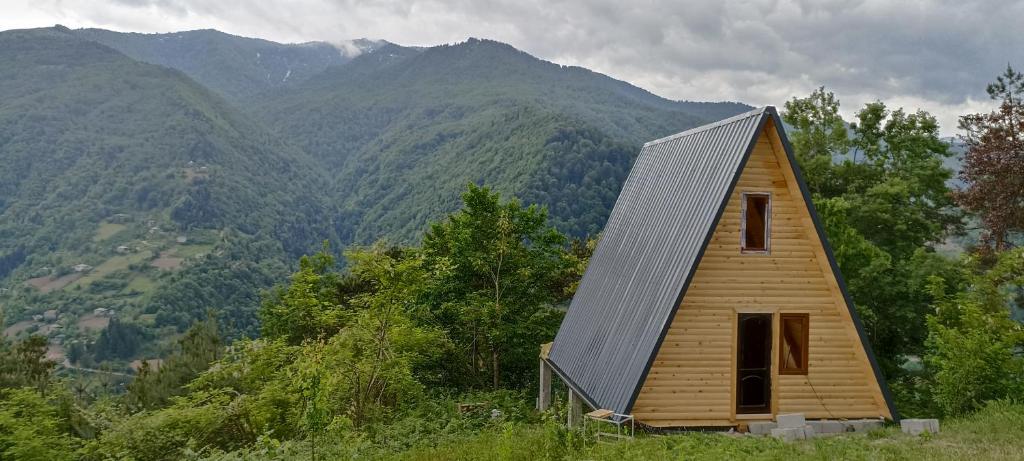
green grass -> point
(140, 283)
(995, 433)
(113, 264)
(107, 230)
(190, 251)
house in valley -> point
(713, 298)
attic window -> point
(794, 338)
(755, 222)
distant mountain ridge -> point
(236, 67)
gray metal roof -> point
(655, 236)
(652, 242)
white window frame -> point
(767, 224)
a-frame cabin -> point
(713, 297)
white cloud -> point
(933, 54)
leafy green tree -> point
(974, 345)
(24, 364)
(818, 135)
(308, 307)
(31, 429)
(501, 264)
(373, 360)
(119, 340)
(197, 349)
(880, 187)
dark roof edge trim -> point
(709, 126)
(707, 238)
(786, 146)
(569, 382)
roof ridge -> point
(735, 118)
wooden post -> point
(544, 397)
(575, 409)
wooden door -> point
(754, 364)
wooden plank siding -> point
(692, 380)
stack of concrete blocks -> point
(919, 426)
(792, 427)
(826, 427)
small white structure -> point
(101, 312)
(181, 239)
(919, 426)
(123, 249)
(81, 267)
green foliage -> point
(152, 388)
(30, 428)
(307, 308)
(131, 146)
(499, 265)
(24, 364)
(119, 340)
(403, 129)
(819, 134)
(974, 345)
(880, 188)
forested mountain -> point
(236, 67)
(121, 179)
(403, 130)
(153, 178)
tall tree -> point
(503, 264)
(819, 133)
(24, 364)
(197, 349)
(309, 306)
(994, 161)
(880, 187)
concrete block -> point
(808, 431)
(791, 421)
(789, 434)
(827, 427)
(761, 427)
(919, 426)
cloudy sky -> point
(931, 54)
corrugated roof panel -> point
(653, 240)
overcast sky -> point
(932, 54)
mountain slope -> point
(236, 67)
(132, 187)
(122, 178)
(404, 129)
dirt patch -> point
(19, 327)
(56, 353)
(48, 283)
(93, 322)
(154, 364)
(195, 174)
(167, 260)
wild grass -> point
(107, 230)
(995, 433)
